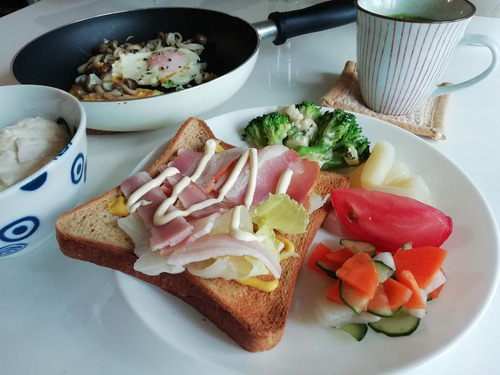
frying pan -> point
(231, 53)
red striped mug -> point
(403, 47)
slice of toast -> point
(253, 318)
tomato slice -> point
(388, 221)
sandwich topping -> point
(216, 214)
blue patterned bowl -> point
(29, 209)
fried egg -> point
(168, 67)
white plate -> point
(471, 268)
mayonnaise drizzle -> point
(252, 182)
(284, 181)
(163, 215)
(236, 232)
(133, 202)
(210, 148)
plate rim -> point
(495, 277)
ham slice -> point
(169, 234)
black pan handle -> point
(322, 16)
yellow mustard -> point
(289, 247)
(118, 206)
(268, 286)
(262, 285)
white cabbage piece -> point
(335, 315)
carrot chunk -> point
(397, 294)
(422, 262)
(360, 273)
(416, 300)
(340, 256)
(333, 293)
(319, 254)
(436, 292)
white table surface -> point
(77, 332)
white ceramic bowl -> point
(29, 209)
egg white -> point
(136, 66)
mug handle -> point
(484, 40)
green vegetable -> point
(333, 139)
(358, 246)
(323, 266)
(309, 110)
(401, 324)
(282, 213)
(356, 330)
(339, 142)
(269, 129)
(168, 84)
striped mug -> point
(403, 47)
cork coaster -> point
(428, 120)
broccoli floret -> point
(339, 141)
(303, 117)
(254, 135)
(309, 110)
(269, 129)
(333, 139)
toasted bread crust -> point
(254, 319)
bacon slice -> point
(169, 234)
(214, 246)
(202, 226)
(185, 240)
(273, 161)
(218, 166)
(186, 161)
(190, 195)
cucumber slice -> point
(386, 258)
(358, 331)
(335, 315)
(379, 304)
(357, 246)
(323, 267)
(352, 298)
(401, 324)
(383, 271)
(407, 246)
